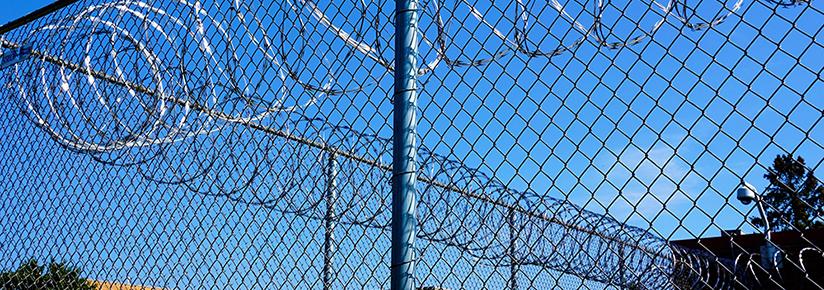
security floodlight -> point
(746, 193)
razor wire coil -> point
(97, 70)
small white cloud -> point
(642, 183)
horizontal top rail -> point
(36, 14)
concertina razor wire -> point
(213, 98)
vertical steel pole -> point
(621, 275)
(404, 147)
(331, 195)
(513, 242)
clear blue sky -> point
(13, 9)
(673, 124)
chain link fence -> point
(186, 144)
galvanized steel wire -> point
(152, 87)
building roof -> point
(800, 262)
(730, 245)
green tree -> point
(32, 276)
(794, 200)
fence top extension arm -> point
(34, 15)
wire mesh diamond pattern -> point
(247, 144)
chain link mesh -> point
(187, 144)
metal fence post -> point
(513, 242)
(331, 195)
(404, 147)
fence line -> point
(487, 219)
